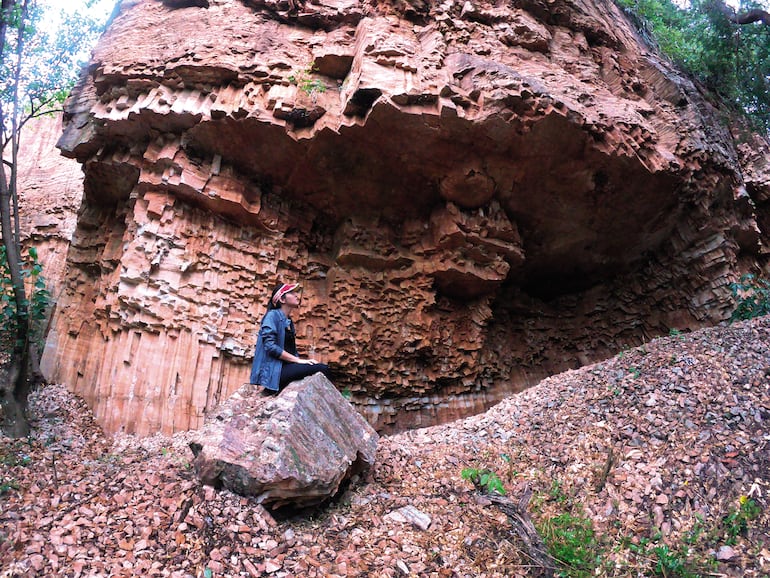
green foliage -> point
(736, 522)
(35, 308)
(671, 563)
(694, 534)
(557, 494)
(752, 295)
(6, 485)
(304, 80)
(39, 63)
(679, 560)
(484, 479)
(675, 333)
(12, 460)
(571, 541)
(732, 60)
(51, 57)
(667, 562)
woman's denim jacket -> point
(266, 369)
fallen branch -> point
(526, 531)
(605, 470)
(53, 467)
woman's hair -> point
(271, 304)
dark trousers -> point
(296, 371)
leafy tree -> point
(38, 66)
(727, 49)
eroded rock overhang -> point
(474, 196)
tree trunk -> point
(13, 415)
(14, 393)
(17, 385)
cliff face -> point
(51, 188)
(473, 196)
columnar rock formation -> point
(50, 190)
(474, 195)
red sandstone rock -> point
(50, 191)
(490, 195)
(294, 448)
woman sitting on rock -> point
(275, 359)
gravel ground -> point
(655, 462)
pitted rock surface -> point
(473, 195)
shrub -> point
(305, 82)
(37, 305)
(752, 296)
(572, 542)
(736, 523)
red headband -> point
(286, 288)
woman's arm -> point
(269, 335)
(286, 356)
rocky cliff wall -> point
(474, 195)
(50, 190)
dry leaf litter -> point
(649, 446)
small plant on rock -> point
(303, 80)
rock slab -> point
(294, 448)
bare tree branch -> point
(755, 15)
(748, 17)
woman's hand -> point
(308, 361)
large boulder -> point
(293, 448)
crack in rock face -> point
(473, 197)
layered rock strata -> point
(474, 195)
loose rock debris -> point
(659, 448)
